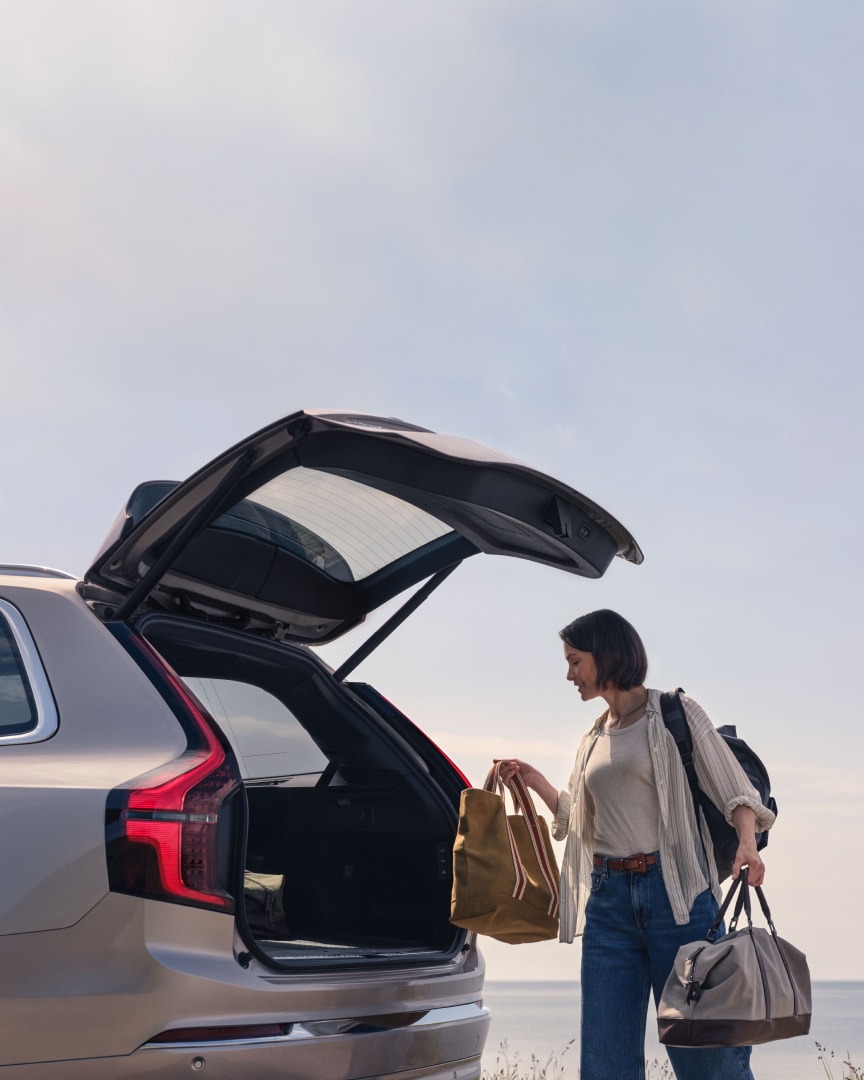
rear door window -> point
(26, 706)
(347, 529)
(269, 741)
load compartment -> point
(351, 813)
(361, 873)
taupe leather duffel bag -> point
(747, 987)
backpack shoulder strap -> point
(676, 722)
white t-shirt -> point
(620, 780)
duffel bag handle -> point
(742, 887)
(743, 902)
(763, 903)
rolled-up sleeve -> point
(561, 823)
(720, 776)
(562, 818)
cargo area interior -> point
(350, 826)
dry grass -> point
(827, 1059)
(509, 1066)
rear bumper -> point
(444, 1044)
(134, 970)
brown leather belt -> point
(636, 864)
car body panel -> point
(58, 785)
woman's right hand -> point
(510, 766)
(533, 778)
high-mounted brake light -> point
(163, 828)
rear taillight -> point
(164, 839)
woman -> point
(636, 880)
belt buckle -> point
(639, 860)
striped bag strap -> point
(524, 802)
(494, 783)
(525, 805)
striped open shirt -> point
(685, 873)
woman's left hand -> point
(748, 856)
(745, 825)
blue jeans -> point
(628, 949)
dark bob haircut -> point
(616, 647)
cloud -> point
(479, 745)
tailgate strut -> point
(396, 619)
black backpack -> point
(723, 836)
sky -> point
(619, 242)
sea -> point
(540, 1021)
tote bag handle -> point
(524, 804)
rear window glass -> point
(267, 738)
(18, 712)
(345, 528)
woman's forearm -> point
(744, 820)
(546, 791)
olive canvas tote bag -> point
(747, 987)
(505, 875)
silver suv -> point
(220, 856)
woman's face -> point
(582, 672)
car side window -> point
(267, 738)
(27, 709)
